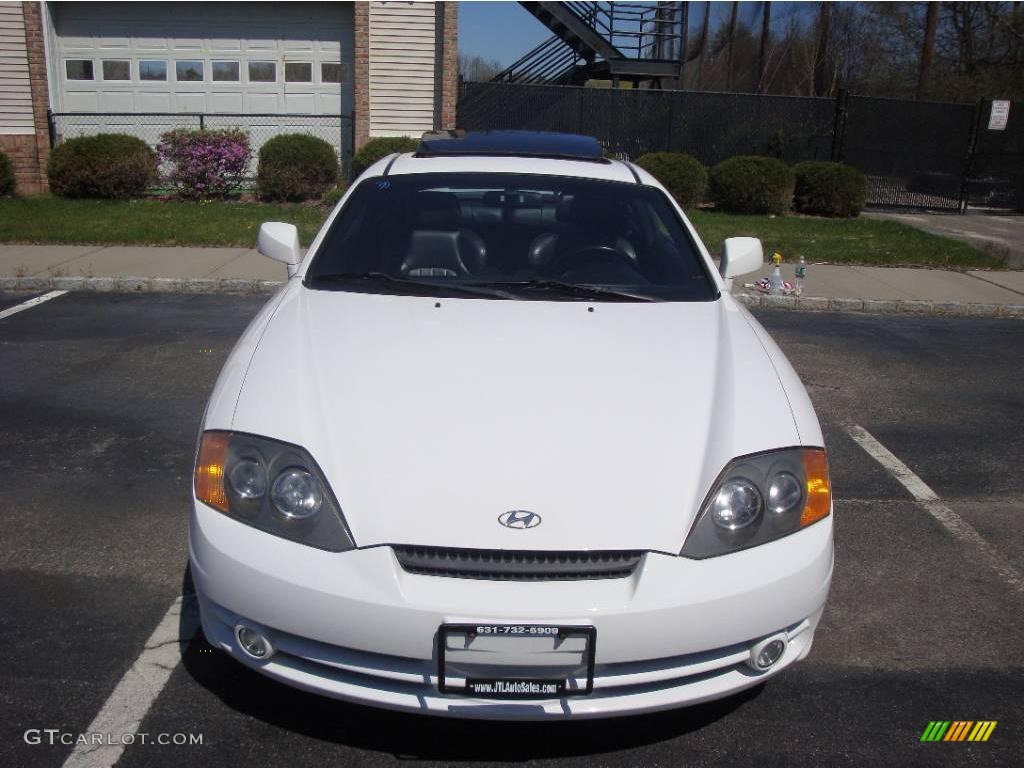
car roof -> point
(565, 146)
(551, 154)
(409, 163)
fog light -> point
(253, 643)
(767, 653)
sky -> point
(503, 30)
(500, 30)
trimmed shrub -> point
(829, 189)
(335, 193)
(110, 165)
(375, 149)
(6, 176)
(296, 166)
(205, 163)
(752, 184)
(684, 176)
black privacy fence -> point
(915, 154)
(336, 130)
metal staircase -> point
(606, 40)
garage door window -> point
(333, 73)
(78, 69)
(225, 71)
(117, 69)
(262, 72)
(152, 70)
(188, 71)
(298, 72)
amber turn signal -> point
(209, 474)
(819, 490)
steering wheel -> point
(590, 255)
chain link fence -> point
(336, 130)
(915, 154)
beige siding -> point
(15, 91)
(402, 50)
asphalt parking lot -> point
(100, 399)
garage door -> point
(276, 62)
(204, 57)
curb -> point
(140, 284)
(753, 301)
(881, 307)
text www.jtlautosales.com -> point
(513, 687)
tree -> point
(931, 20)
(477, 67)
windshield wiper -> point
(570, 289)
(427, 287)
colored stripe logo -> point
(958, 730)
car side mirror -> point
(280, 242)
(740, 256)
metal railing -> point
(553, 61)
(638, 31)
(336, 130)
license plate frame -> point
(559, 630)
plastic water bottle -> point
(800, 274)
(776, 285)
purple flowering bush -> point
(206, 163)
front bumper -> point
(355, 626)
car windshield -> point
(511, 236)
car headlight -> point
(270, 485)
(761, 498)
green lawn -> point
(147, 222)
(153, 222)
(842, 241)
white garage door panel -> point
(114, 43)
(260, 103)
(82, 102)
(225, 44)
(150, 102)
(151, 43)
(190, 102)
(123, 101)
(300, 103)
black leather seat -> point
(440, 246)
(591, 222)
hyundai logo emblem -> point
(519, 518)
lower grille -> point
(514, 565)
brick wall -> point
(361, 79)
(29, 152)
(450, 65)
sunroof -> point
(513, 144)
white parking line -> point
(119, 719)
(30, 303)
(949, 519)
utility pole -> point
(931, 21)
(762, 61)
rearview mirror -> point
(740, 256)
(280, 242)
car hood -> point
(432, 417)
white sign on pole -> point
(999, 116)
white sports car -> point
(505, 446)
